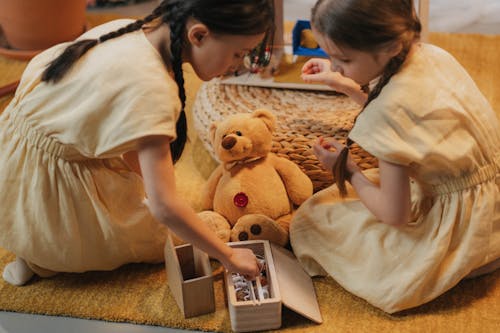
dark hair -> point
(239, 17)
(367, 25)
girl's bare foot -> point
(17, 272)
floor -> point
(11, 322)
(445, 15)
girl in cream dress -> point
(403, 234)
(96, 125)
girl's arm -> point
(318, 70)
(132, 160)
(165, 205)
(356, 94)
(389, 201)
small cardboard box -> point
(190, 279)
(288, 284)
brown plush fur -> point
(252, 193)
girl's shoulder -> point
(129, 60)
(425, 61)
(430, 53)
(104, 28)
(432, 49)
(428, 70)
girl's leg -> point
(17, 272)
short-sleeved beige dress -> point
(69, 203)
(432, 118)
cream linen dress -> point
(431, 118)
(68, 201)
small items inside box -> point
(258, 290)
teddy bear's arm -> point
(298, 185)
(208, 191)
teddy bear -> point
(253, 192)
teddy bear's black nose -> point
(228, 142)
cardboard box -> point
(288, 284)
(190, 279)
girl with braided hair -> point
(96, 126)
(404, 233)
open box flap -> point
(296, 287)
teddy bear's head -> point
(243, 136)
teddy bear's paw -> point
(258, 226)
(217, 223)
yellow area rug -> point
(139, 293)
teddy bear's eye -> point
(238, 133)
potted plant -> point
(34, 25)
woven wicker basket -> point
(302, 117)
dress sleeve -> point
(149, 108)
(130, 98)
(401, 127)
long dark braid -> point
(177, 28)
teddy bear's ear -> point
(267, 117)
(213, 129)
